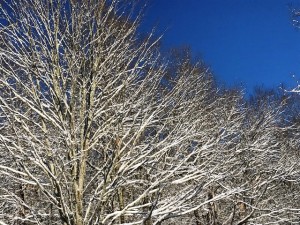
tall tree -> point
(90, 133)
(96, 127)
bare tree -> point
(263, 166)
(90, 133)
(96, 127)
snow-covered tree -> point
(96, 127)
(90, 131)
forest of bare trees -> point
(97, 126)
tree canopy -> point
(97, 126)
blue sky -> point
(244, 42)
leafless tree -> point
(264, 165)
(90, 133)
(96, 127)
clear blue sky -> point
(248, 42)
